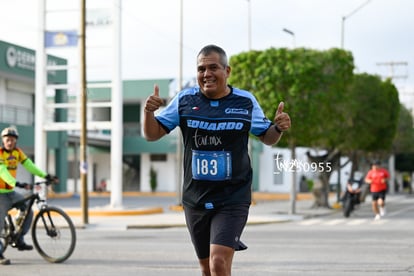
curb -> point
(108, 212)
(255, 195)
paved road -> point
(312, 242)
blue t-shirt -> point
(217, 168)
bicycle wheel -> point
(53, 234)
(348, 206)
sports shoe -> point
(3, 260)
(377, 217)
(382, 211)
(23, 246)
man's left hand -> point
(282, 119)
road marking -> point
(334, 221)
(357, 221)
(349, 222)
(380, 221)
(310, 222)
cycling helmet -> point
(10, 131)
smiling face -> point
(212, 76)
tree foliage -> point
(403, 142)
(372, 111)
(373, 114)
(308, 81)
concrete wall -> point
(166, 173)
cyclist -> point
(10, 157)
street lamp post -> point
(292, 197)
(346, 17)
(292, 34)
(249, 25)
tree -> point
(153, 179)
(311, 83)
(306, 80)
(331, 108)
(372, 120)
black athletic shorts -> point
(378, 195)
(222, 226)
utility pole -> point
(83, 139)
(116, 108)
(346, 17)
(249, 25)
(40, 99)
(179, 151)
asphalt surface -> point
(312, 241)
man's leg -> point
(21, 245)
(226, 229)
(205, 266)
(26, 227)
(4, 207)
(198, 225)
(375, 209)
(381, 203)
(221, 259)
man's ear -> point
(228, 70)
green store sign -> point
(20, 61)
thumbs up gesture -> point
(154, 101)
(282, 119)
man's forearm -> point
(271, 137)
(152, 129)
(33, 169)
(6, 176)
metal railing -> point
(16, 115)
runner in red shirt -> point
(377, 178)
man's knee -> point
(219, 264)
(221, 259)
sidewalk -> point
(267, 208)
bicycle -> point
(53, 232)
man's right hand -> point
(154, 101)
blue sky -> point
(381, 32)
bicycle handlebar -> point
(53, 180)
(47, 182)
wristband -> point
(278, 130)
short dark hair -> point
(376, 163)
(207, 50)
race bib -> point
(211, 165)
